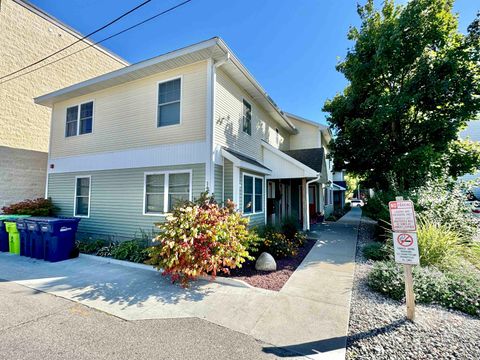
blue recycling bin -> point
(25, 243)
(34, 239)
(58, 237)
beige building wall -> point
(228, 121)
(125, 116)
(308, 136)
(27, 35)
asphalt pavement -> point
(37, 325)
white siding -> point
(308, 136)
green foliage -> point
(281, 242)
(107, 250)
(131, 250)
(352, 186)
(36, 207)
(377, 207)
(414, 82)
(438, 244)
(377, 251)
(201, 238)
(90, 246)
(457, 289)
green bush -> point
(90, 246)
(438, 244)
(201, 238)
(377, 207)
(377, 251)
(457, 289)
(131, 250)
(107, 250)
(281, 243)
(36, 207)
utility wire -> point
(77, 41)
(100, 41)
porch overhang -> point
(336, 187)
(284, 166)
(245, 162)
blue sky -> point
(291, 47)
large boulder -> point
(265, 262)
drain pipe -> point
(308, 200)
(211, 123)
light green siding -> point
(116, 202)
(257, 219)
(228, 180)
(218, 191)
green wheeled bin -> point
(4, 236)
(13, 237)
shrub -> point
(107, 250)
(283, 242)
(90, 246)
(201, 238)
(455, 289)
(377, 207)
(36, 207)
(438, 244)
(377, 251)
(131, 250)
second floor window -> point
(169, 94)
(247, 118)
(79, 119)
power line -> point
(77, 41)
(101, 41)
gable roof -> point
(313, 158)
(214, 48)
(54, 21)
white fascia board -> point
(163, 155)
(243, 164)
(48, 99)
(309, 172)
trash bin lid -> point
(11, 217)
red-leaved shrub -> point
(199, 239)
(36, 207)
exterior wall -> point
(129, 111)
(116, 201)
(218, 191)
(22, 174)
(229, 119)
(227, 180)
(26, 37)
(308, 136)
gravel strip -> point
(378, 328)
(272, 280)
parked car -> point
(475, 205)
(356, 203)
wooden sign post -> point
(405, 244)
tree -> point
(414, 82)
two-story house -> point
(127, 145)
(28, 34)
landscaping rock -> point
(265, 262)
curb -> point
(218, 279)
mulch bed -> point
(272, 280)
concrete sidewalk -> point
(309, 316)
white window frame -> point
(89, 177)
(243, 117)
(157, 104)
(165, 193)
(253, 194)
(79, 105)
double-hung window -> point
(252, 194)
(169, 102)
(165, 190)
(82, 196)
(247, 118)
(79, 119)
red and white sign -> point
(402, 216)
(406, 248)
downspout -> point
(211, 128)
(307, 215)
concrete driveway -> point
(309, 316)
